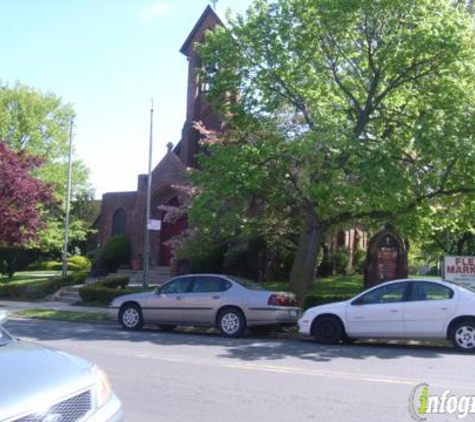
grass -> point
(28, 277)
(61, 315)
(342, 285)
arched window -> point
(119, 222)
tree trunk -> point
(303, 267)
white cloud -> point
(152, 10)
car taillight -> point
(281, 300)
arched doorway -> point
(169, 231)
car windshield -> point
(244, 282)
(465, 285)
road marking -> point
(280, 369)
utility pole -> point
(146, 249)
(68, 200)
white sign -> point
(154, 224)
(460, 269)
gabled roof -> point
(209, 11)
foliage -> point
(115, 282)
(116, 252)
(99, 293)
(38, 124)
(39, 289)
(15, 259)
(341, 260)
(310, 300)
(359, 261)
(348, 112)
(79, 263)
(75, 263)
(21, 196)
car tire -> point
(260, 330)
(328, 330)
(130, 317)
(231, 322)
(167, 328)
(462, 336)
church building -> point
(124, 212)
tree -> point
(38, 123)
(21, 197)
(369, 104)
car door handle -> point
(394, 311)
(444, 308)
(178, 298)
(216, 297)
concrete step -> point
(68, 294)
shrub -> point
(359, 261)
(310, 301)
(32, 291)
(79, 263)
(99, 293)
(341, 260)
(116, 252)
(115, 282)
(15, 259)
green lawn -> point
(61, 315)
(28, 277)
(341, 285)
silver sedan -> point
(229, 303)
(40, 384)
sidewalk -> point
(13, 306)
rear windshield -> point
(244, 282)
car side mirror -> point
(358, 302)
(158, 290)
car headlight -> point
(103, 387)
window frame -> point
(413, 285)
(359, 302)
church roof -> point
(208, 12)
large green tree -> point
(38, 123)
(369, 103)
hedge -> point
(41, 289)
(310, 301)
(99, 293)
(115, 282)
(75, 263)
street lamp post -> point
(146, 254)
(68, 200)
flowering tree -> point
(21, 197)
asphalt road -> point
(203, 377)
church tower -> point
(197, 108)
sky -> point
(108, 58)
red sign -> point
(387, 264)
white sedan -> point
(401, 309)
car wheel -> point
(131, 317)
(167, 327)
(231, 323)
(463, 336)
(260, 330)
(328, 330)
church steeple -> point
(197, 108)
